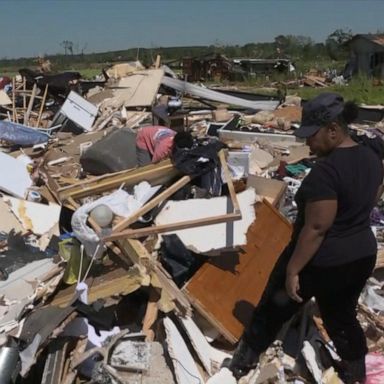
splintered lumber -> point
(30, 105)
(135, 252)
(228, 179)
(116, 281)
(42, 106)
(226, 289)
(152, 204)
(131, 252)
(156, 229)
(137, 233)
(155, 174)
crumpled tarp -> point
(19, 134)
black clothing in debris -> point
(351, 176)
(180, 262)
(201, 161)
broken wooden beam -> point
(155, 174)
(151, 204)
(156, 229)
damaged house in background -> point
(367, 55)
(217, 67)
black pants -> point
(336, 290)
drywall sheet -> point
(210, 237)
(15, 178)
(35, 217)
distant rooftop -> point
(375, 38)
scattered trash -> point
(115, 272)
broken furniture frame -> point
(21, 90)
(133, 251)
(129, 250)
(137, 233)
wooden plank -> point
(30, 105)
(42, 106)
(228, 179)
(155, 174)
(137, 233)
(113, 280)
(158, 62)
(151, 204)
(24, 94)
(135, 251)
(139, 89)
(14, 116)
(226, 289)
(139, 255)
(55, 361)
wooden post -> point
(30, 105)
(24, 93)
(42, 106)
(13, 101)
(158, 61)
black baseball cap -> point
(319, 112)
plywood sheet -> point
(139, 89)
(226, 289)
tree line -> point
(294, 47)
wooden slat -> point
(137, 233)
(228, 179)
(30, 105)
(42, 106)
(155, 174)
(151, 204)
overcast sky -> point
(31, 28)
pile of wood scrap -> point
(111, 272)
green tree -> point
(336, 44)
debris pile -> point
(118, 269)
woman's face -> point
(322, 142)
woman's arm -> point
(319, 217)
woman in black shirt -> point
(333, 250)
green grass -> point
(359, 89)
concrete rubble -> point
(138, 297)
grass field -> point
(360, 89)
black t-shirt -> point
(352, 176)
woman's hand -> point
(292, 286)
